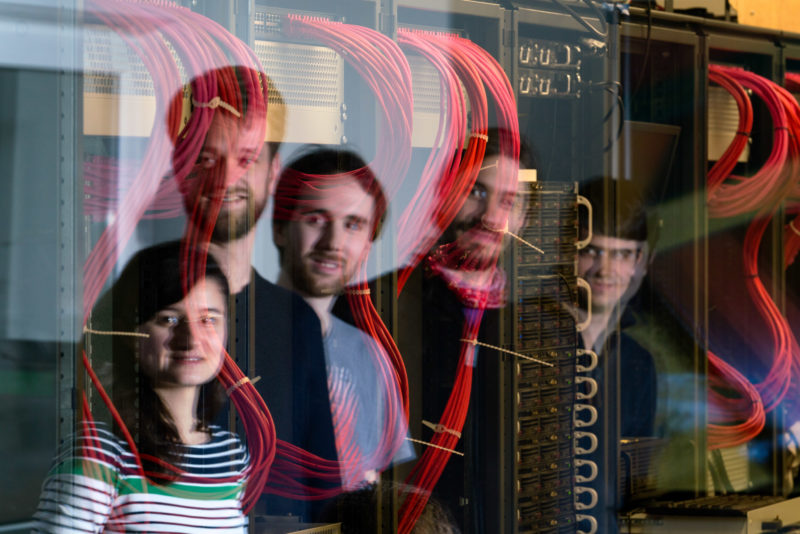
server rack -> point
(694, 42)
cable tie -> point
(87, 330)
(488, 166)
(742, 132)
(239, 383)
(518, 238)
(755, 275)
(434, 446)
(793, 227)
(441, 428)
(480, 136)
(517, 354)
(217, 102)
(357, 291)
(782, 128)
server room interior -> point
(619, 95)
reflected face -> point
(186, 339)
(231, 154)
(492, 204)
(328, 238)
(609, 265)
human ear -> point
(274, 172)
(279, 236)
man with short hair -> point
(460, 271)
(274, 334)
(614, 264)
(328, 209)
(615, 260)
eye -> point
(207, 160)
(210, 319)
(478, 192)
(355, 225)
(509, 201)
(623, 254)
(167, 319)
(315, 219)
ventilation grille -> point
(302, 75)
(425, 80)
(723, 122)
(105, 58)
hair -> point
(183, 138)
(317, 161)
(527, 157)
(618, 209)
(151, 281)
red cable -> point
(732, 421)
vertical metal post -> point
(70, 207)
(700, 253)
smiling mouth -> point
(604, 286)
(229, 196)
(327, 265)
(187, 358)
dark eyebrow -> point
(357, 218)
(309, 211)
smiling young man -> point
(614, 264)
(329, 207)
(324, 230)
(273, 334)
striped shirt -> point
(95, 486)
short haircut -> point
(618, 209)
(217, 77)
(316, 162)
(527, 157)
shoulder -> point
(96, 437)
(278, 300)
(348, 337)
(94, 451)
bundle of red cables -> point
(107, 179)
(480, 74)
(205, 50)
(386, 73)
(791, 233)
(736, 421)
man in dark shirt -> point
(274, 334)
(440, 293)
(614, 264)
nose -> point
(234, 172)
(495, 216)
(332, 237)
(603, 264)
(183, 336)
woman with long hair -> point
(164, 345)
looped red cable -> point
(734, 421)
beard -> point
(312, 284)
(230, 225)
(468, 245)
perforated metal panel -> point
(105, 56)
(119, 96)
(723, 122)
(306, 91)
